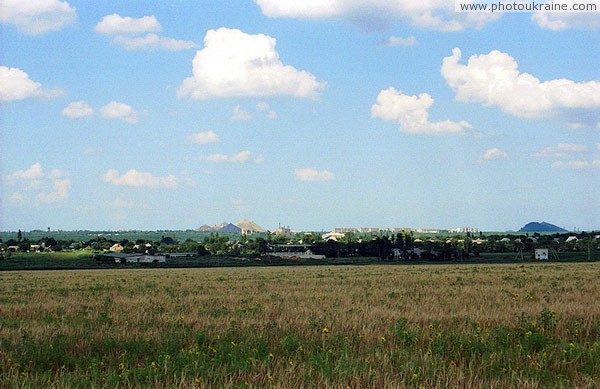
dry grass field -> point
(533, 325)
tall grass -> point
(370, 326)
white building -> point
(464, 229)
(541, 254)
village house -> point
(117, 247)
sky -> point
(313, 114)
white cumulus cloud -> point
(563, 20)
(137, 178)
(239, 114)
(399, 41)
(241, 157)
(36, 17)
(139, 33)
(116, 110)
(369, 14)
(494, 153)
(264, 107)
(233, 63)
(494, 80)
(576, 165)
(52, 187)
(203, 138)
(15, 84)
(153, 42)
(34, 172)
(411, 112)
(571, 147)
(561, 150)
(311, 174)
(77, 109)
(117, 24)
(567, 156)
(60, 191)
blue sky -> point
(344, 113)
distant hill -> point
(249, 227)
(243, 226)
(230, 228)
(541, 227)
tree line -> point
(399, 246)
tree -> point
(19, 235)
(168, 240)
(349, 237)
(24, 246)
(260, 245)
(49, 242)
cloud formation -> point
(239, 114)
(116, 110)
(310, 174)
(562, 150)
(153, 42)
(139, 33)
(51, 188)
(34, 172)
(241, 157)
(77, 109)
(494, 80)
(558, 21)
(203, 138)
(433, 14)
(399, 41)
(117, 24)
(575, 164)
(36, 17)
(568, 156)
(494, 153)
(135, 178)
(60, 191)
(411, 112)
(15, 84)
(234, 64)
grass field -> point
(506, 325)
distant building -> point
(287, 231)
(427, 231)
(377, 230)
(464, 230)
(132, 258)
(332, 235)
(343, 230)
(116, 247)
(368, 230)
(293, 251)
(541, 254)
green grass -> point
(78, 259)
(418, 355)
